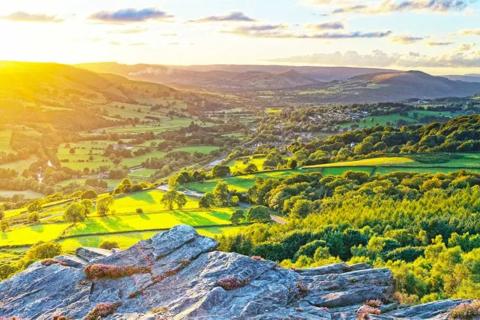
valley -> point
(384, 183)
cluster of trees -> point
(126, 186)
(424, 227)
(221, 196)
(461, 134)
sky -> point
(436, 36)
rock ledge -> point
(178, 275)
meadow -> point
(124, 224)
(419, 163)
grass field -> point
(27, 194)
(123, 219)
(19, 165)
(381, 161)
(238, 165)
(163, 125)
(199, 149)
(5, 136)
(86, 154)
(435, 163)
(412, 117)
(126, 240)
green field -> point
(164, 125)
(27, 194)
(86, 154)
(238, 165)
(433, 163)
(381, 161)
(128, 239)
(19, 165)
(122, 223)
(5, 136)
(412, 117)
(199, 149)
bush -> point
(466, 311)
(75, 213)
(6, 270)
(237, 217)
(109, 245)
(4, 225)
(33, 217)
(259, 214)
(43, 250)
(89, 194)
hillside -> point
(69, 97)
(231, 77)
(299, 85)
(178, 275)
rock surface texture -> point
(179, 275)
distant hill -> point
(466, 77)
(232, 77)
(392, 86)
(378, 87)
(298, 85)
(67, 96)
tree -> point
(124, 186)
(301, 208)
(168, 198)
(109, 245)
(75, 213)
(234, 200)
(89, 194)
(251, 168)
(4, 225)
(180, 200)
(206, 201)
(172, 197)
(104, 204)
(221, 194)
(259, 214)
(33, 217)
(43, 250)
(34, 206)
(237, 217)
(220, 171)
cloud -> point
(439, 43)
(21, 16)
(387, 6)
(327, 26)
(471, 32)
(282, 31)
(406, 39)
(231, 17)
(130, 15)
(378, 58)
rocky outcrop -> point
(179, 275)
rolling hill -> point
(70, 97)
(231, 78)
(378, 87)
(298, 84)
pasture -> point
(123, 224)
(199, 149)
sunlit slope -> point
(57, 93)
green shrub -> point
(109, 245)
